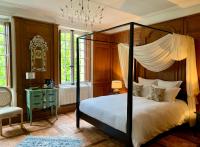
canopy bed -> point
(126, 119)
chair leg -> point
(22, 119)
(1, 127)
(10, 121)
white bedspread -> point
(150, 118)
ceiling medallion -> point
(83, 12)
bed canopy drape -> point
(160, 55)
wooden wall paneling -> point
(197, 47)
(192, 25)
(25, 30)
(115, 64)
(32, 28)
(174, 26)
(56, 55)
(19, 46)
(101, 62)
(101, 65)
(101, 88)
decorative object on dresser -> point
(49, 83)
(30, 76)
(38, 49)
(8, 111)
(41, 99)
(116, 86)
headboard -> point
(176, 72)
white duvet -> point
(150, 118)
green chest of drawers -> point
(41, 99)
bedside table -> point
(41, 99)
(123, 90)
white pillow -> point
(169, 84)
(147, 82)
(170, 94)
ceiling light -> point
(83, 12)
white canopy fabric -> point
(160, 55)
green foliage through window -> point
(3, 56)
(67, 68)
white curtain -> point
(160, 55)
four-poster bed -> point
(126, 135)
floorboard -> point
(91, 136)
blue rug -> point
(42, 141)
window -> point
(68, 57)
(5, 54)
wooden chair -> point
(6, 110)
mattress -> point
(150, 118)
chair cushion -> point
(9, 111)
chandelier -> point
(82, 12)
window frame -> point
(73, 35)
(8, 53)
(65, 31)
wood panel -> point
(197, 47)
(25, 30)
(101, 65)
(192, 25)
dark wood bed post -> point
(77, 85)
(130, 85)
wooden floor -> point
(91, 136)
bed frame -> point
(125, 137)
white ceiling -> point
(116, 11)
(138, 7)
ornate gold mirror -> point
(38, 49)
